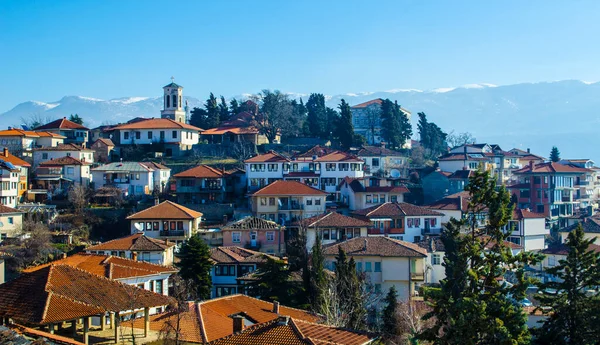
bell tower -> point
(173, 102)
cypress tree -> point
(554, 154)
(349, 291)
(405, 128)
(345, 129)
(234, 107)
(318, 280)
(212, 112)
(223, 110)
(194, 265)
(390, 316)
(317, 115)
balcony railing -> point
(417, 275)
(291, 207)
(582, 183)
(172, 233)
(430, 231)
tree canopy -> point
(194, 265)
(554, 154)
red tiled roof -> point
(158, 124)
(49, 134)
(462, 157)
(392, 209)
(231, 129)
(281, 187)
(135, 242)
(268, 157)
(56, 293)
(462, 174)
(452, 202)
(154, 165)
(338, 156)
(6, 209)
(63, 123)
(374, 101)
(66, 160)
(112, 267)
(376, 246)
(104, 141)
(37, 334)
(334, 219)
(63, 147)
(15, 132)
(551, 167)
(251, 223)
(563, 249)
(201, 171)
(376, 151)
(166, 210)
(489, 243)
(357, 187)
(14, 160)
(316, 150)
(237, 255)
(519, 214)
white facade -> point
(176, 230)
(12, 224)
(530, 233)
(9, 187)
(173, 103)
(287, 207)
(150, 136)
(133, 178)
(40, 155)
(164, 258)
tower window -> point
(174, 101)
(180, 102)
(168, 101)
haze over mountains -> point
(528, 115)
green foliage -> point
(390, 314)
(332, 119)
(554, 154)
(431, 136)
(234, 107)
(198, 118)
(396, 129)
(574, 311)
(344, 128)
(276, 115)
(475, 306)
(318, 281)
(274, 283)
(223, 110)
(75, 118)
(212, 112)
(317, 115)
(194, 265)
(349, 288)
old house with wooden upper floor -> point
(366, 192)
(255, 233)
(138, 247)
(331, 227)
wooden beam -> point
(112, 320)
(86, 330)
(103, 322)
(74, 328)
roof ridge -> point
(296, 329)
(201, 321)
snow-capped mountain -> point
(535, 115)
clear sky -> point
(108, 49)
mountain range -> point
(528, 115)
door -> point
(253, 236)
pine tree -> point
(195, 265)
(390, 316)
(389, 124)
(349, 289)
(317, 115)
(212, 112)
(198, 118)
(331, 124)
(318, 280)
(76, 118)
(223, 110)
(345, 129)
(234, 107)
(573, 318)
(554, 154)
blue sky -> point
(108, 49)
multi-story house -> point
(264, 169)
(138, 247)
(363, 193)
(47, 153)
(201, 184)
(434, 270)
(385, 261)
(9, 184)
(133, 178)
(12, 223)
(22, 142)
(73, 132)
(60, 174)
(284, 201)
(435, 184)
(331, 227)
(256, 234)
(230, 263)
(401, 221)
(366, 118)
(587, 185)
(452, 162)
(23, 167)
(104, 150)
(383, 162)
(166, 221)
(549, 189)
(552, 257)
(528, 230)
(591, 229)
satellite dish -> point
(1, 224)
(138, 226)
(395, 173)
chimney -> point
(383, 144)
(276, 307)
(64, 255)
(134, 256)
(531, 166)
(238, 323)
(432, 244)
(156, 201)
(6, 152)
(528, 150)
(224, 219)
(283, 320)
(460, 203)
(365, 244)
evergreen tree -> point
(345, 129)
(75, 118)
(390, 315)
(423, 127)
(404, 125)
(194, 265)
(349, 290)
(198, 118)
(276, 115)
(395, 126)
(273, 283)
(432, 138)
(223, 110)
(574, 312)
(318, 279)
(317, 115)
(234, 107)
(212, 112)
(554, 154)
(331, 124)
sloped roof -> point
(376, 246)
(338, 156)
(66, 160)
(155, 166)
(391, 209)
(376, 151)
(357, 187)
(112, 267)
(269, 157)
(157, 124)
(63, 123)
(454, 202)
(15, 132)
(589, 224)
(251, 223)
(134, 242)
(519, 214)
(172, 84)
(462, 174)
(49, 134)
(237, 255)
(166, 210)
(104, 141)
(123, 167)
(563, 249)
(551, 167)
(462, 156)
(230, 129)
(316, 150)
(14, 160)
(288, 331)
(374, 101)
(56, 293)
(432, 244)
(335, 220)
(6, 209)
(63, 147)
(281, 187)
(201, 171)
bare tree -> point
(373, 117)
(35, 120)
(171, 331)
(79, 197)
(410, 321)
(459, 139)
(275, 116)
(242, 151)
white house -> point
(383, 162)
(386, 262)
(73, 132)
(11, 222)
(9, 184)
(528, 230)
(332, 227)
(166, 221)
(58, 175)
(133, 178)
(47, 153)
(367, 192)
(138, 247)
(434, 270)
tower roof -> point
(172, 84)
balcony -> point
(417, 276)
(430, 231)
(253, 245)
(582, 183)
(172, 233)
(291, 207)
(566, 199)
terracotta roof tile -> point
(519, 214)
(63, 123)
(317, 151)
(551, 167)
(390, 209)
(590, 225)
(47, 134)
(338, 156)
(281, 187)
(136, 242)
(6, 209)
(251, 223)
(66, 160)
(63, 147)
(268, 157)
(16, 161)
(376, 246)
(104, 141)
(452, 202)
(15, 132)
(335, 220)
(157, 124)
(166, 210)
(231, 129)
(201, 171)
(376, 151)
(221, 255)
(155, 166)
(563, 249)
(374, 101)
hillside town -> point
(273, 220)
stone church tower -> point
(173, 102)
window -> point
(149, 134)
(151, 285)
(377, 267)
(70, 171)
(179, 225)
(515, 240)
(436, 259)
(473, 165)
(174, 134)
(236, 237)
(308, 202)
(393, 198)
(381, 198)
(159, 286)
(126, 135)
(162, 135)
(367, 266)
(11, 220)
(137, 176)
(270, 236)
(148, 226)
(551, 260)
(272, 167)
(45, 155)
(417, 239)
(165, 225)
(317, 202)
(375, 162)
(330, 166)
(68, 154)
(138, 135)
(344, 166)
(121, 254)
(263, 201)
(326, 234)
(271, 201)
(359, 267)
(172, 226)
(369, 198)
(141, 286)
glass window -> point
(271, 201)
(11, 220)
(149, 134)
(436, 259)
(138, 135)
(173, 226)
(318, 202)
(367, 266)
(126, 135)
(174, 135)
(263, 201)
(270, 236)
(148, 226)
(377, 266)
(44, 155)
(359, 266)
(179, 225)
(326, 234)
(159, 286)
(308, 202)
(236, 237)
